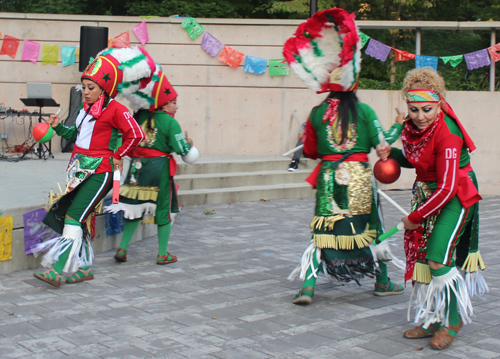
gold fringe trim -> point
(353, 229)
(139, 193)
(345, 242)
(97, 210)
(473, 261)
(421, 273)
(325, 223)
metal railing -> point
(418, 26)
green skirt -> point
(345, 220)
(149, 181)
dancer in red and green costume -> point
(89, 173)
(445, 213)
(149, 188)
(325, 54)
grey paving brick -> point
(354, 353)
(309, 340)
(87, 337)
(54, 323)
(123, 331)
(387, 347)
(14, 351)
(366, 325)
(45, 345)
(128, 352)
(276, 347)
(18, 329)
(243, 353)
(50, 333)
(337, 332)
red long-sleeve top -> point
(444, 160)
(98, 137)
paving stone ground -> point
(228, 297)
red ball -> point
(42, 132)
(387, 171)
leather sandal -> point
(165, 260)
(77, 278)
(46, 277)
(121, 255)
(304, 299)
(442, 339)
(419, 333)
(398, 289)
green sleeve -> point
(374, 127)
(397, 154)
(177, 142)
(393, 133)
(390, 135)
(68, 133)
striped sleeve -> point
(132, 133)
(447, 164)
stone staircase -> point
(222, 179)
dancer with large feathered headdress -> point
(325, 53)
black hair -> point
(347, 106)
(148, 123)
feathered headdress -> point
(158, 92)
(120, 70)
(325, 51)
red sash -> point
(313, 177)
(467, 191)
(152, 153)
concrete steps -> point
(242, 178)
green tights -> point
(383, 279)
(452, 308)
(311, 282)
(163, 236)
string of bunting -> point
(256, 65)
(474, 60)
(50, 53)
(228, 55)
(232, 57)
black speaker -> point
(92, 40)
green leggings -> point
(89, 193)
(450, 227)
(163, 235)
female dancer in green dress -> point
(149, 188)
(325, 53)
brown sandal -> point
(45, 276)
(419, 333)
(165, 259)
(442, 339)
(302, 298)
(77, 277)
(398, 289)
(121, 255)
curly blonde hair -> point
(427, 78)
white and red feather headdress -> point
(325, 51)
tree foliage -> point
(200, 8)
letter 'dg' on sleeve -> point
(450, 153)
